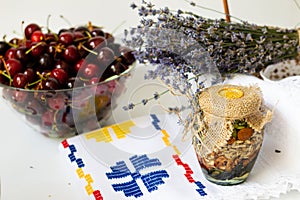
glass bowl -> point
(66, 112)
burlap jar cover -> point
(220, 106)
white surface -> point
(30, 164)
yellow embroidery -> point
(166, 140)
(103, 135)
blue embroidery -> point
(155, 121)
(151, 180)
(201, 188)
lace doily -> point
(277, 169)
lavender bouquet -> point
(191, 52)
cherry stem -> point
(7, 71)
(67, 21)
(33, 47)
(87, 49)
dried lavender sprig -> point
(235, 47)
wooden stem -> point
(226, 10)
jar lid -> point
(230, 101)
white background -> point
(30, 164)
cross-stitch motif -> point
(150, 180)
(188, 175)
(103, 135)
(80, 164)
(166, 136)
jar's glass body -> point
(232, 163)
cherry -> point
(109, 37)
(20, 97)
(127, 55)
(31, 74)
(4, 46)
(14, 66)
(97, 41)
(37, 36)
(60, 75)
(57, 102)
(21, 54)
(79, 64)
(48, 118)
(46, 61)
(71, 54)
(90, 70)
(50, 37)
(20, 80)
(60, 64)
(83, 29)
(66, 38)
(30, 28)
(37, 49)
(105, 56)
(50, 84)
(10, 53)
(15, 41)
(97, 32)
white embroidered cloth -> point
(145, 158)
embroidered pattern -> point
(188, 175)
(150, 180)
(103, 135)
(80, 164)
(166, 136)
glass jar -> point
(230, 133)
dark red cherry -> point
(127, 55)
(66, 38)
(71, 54)
(61, 64)
(30, 28)
(14, 66)
(50, 37)
(31, 74)
(50, 84)
(60, 75)
(21, 54)
(97, 32)
(46, 61)
(15, 41)
(37, 49)
(10, 53)
(4, 46)
(20, 80)
(79, 64)
(97, 41)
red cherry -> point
(66, 38)
(14, 66)
(30, 28)
(90, 70)
(20, 80)
(10, 53)
(57, 102)
(71, 54)
(79, 64)
(37, 36)
(59, 74)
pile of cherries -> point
(47, 63)
(44, 61)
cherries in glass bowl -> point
(64, 83)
